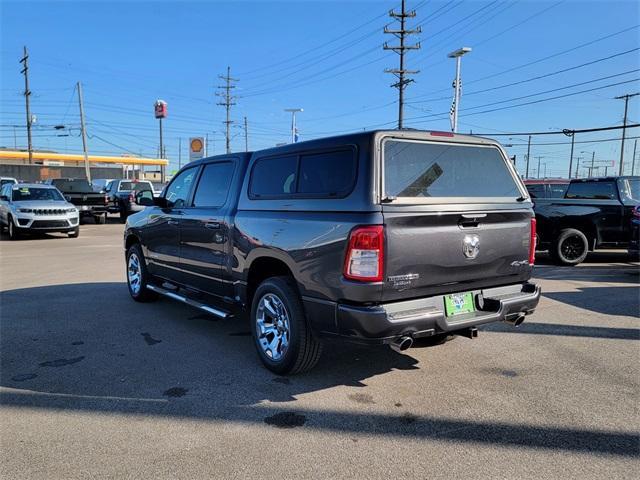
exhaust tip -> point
(401, 344)
(516, 320)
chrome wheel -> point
(134, 273)
(273, 327)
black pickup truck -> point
(593, 213)
(381, 237)
(80, 192)
(121, 196)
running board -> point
(188, 301)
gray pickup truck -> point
(381, 237)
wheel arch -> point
(263, 267)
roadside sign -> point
(160, 109)
(196, 148)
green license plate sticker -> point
(458, 303)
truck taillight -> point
(132, 198)
(364, 260)
(106, 199)
(532, 243)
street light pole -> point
(456, 99)
(293, 121)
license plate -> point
(458, 303)
(84, 207)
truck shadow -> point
(604, 300)
(95, 350)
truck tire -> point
(123, 213)
(570, 247)
(283, 339)
(100, 219)
(74, 233)
(137, 275)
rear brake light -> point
(442, 134)
(636, 212)
(132, 198)
(532, 243)
(364, 260)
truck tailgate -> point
(429, 252)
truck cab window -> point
(213, 185)
(178, 192)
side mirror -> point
(145, 198)
(160, 202)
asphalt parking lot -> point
(95, 385)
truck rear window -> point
(592, 191)
(73, 186)
(431, 170)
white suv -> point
(33, 207)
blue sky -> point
(325, 57)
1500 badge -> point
(402, 281)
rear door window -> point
(592, 191)
(536, 191)
(557, 190)
(274, 177)
(330, 174)
(414, 169)
(213, 186)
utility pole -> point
(27, 94)
(227, 102)
(572, 134)
(538, 171)
(206, 145)
(246, 135)
(528, 156)
(593, 158)
(179, 153)
(633, 159)
(578, 166)
(293, 122)
(401, 72)
(624, 125)
(83, 130)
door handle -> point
(212, 225)
(173, 222)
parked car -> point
(33, 207)
(377, 237)
(122, 196)
(5, 180)
(100, 184)
(547, 188)
(594, 213)
(79, 192)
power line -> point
(531, 79)
(584, 130)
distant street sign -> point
(160, 109)
(196, 148)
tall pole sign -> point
(160, 109)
